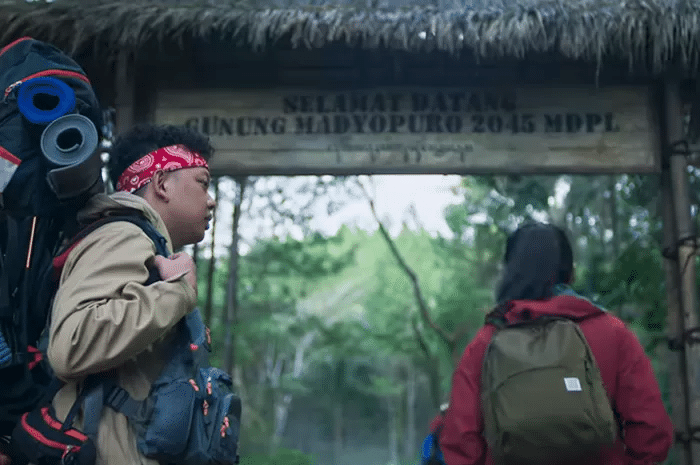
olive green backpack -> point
(542, 394)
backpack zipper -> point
(12, 44)
(44, 440)
(6, 155)
(75, 434)
(48, 72)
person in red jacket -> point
(538, 269)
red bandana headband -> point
(171, 158)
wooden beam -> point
(125, 88)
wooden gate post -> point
(675, 361)
(125, 87)
(682, 316)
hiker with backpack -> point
(89, 282)
(551, 378)
(114, 326)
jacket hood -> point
(570, 306)
(101, 205)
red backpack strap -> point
(59, 260)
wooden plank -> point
(332, 56)
(421, 130)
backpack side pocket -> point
(170, 421)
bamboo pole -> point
(686, 317)
(675, 363)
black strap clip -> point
(116, 396)
(680, 147)
(690, 336)
(686, 437)
(670, 252)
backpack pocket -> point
(42, 439)
(11, 124)
(225, 416)
(214, 437)
(191, 416)
(542, 395)
(170, 421)
(192, 421)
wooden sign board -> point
(421, 130)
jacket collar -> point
(101, 204)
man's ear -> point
(160, 185)
(572, 276)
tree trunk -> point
(338, 432)
(393, 431)
(212, 261)
(410, 436)
(432, 367)
(285, 400)
(614, 217)
(231, 315)
(450, 339)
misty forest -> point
(342, 344)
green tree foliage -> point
(273, 340)
(334, 357)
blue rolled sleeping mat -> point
(44, 99)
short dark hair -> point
(144, 139)
(537, 257)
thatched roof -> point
(651, 33)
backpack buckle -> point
(116, 397)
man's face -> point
(191, 205)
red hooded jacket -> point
(627, 376)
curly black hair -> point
(144, 139)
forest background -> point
(342, 344)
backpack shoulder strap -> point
(436, 442)
(101, 390)
(148, 228)
(131, 216)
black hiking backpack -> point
(50, 124)
(40, 85)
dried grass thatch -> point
(652, 33)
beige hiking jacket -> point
(105, 318)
